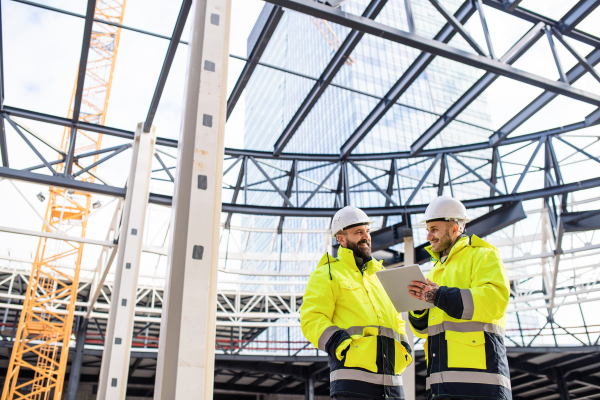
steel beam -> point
(185, 366)
(577, 14)
(383, 211)
(115, 361)
(261, 33)
(293, 176)
(336, 63)
(384, 238)
(31, 146)
(399, 88)
(541, 101)
(580, 221)
(497, 219)
(61, 181)
(458, 27)
(511, 56)
(75, 373)
(78, 95)
(484, 26)
(3, 144)
(54, 120)
(422, 181)
(85, 50)
(562, 76)
(580, 59)
(511, 5)
(591, 119)
(166, 68)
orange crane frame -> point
(46, 321)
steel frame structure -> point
(243, 314)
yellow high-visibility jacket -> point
(465, 348)
(349, 315)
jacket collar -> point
(462, 242)
(346, 256)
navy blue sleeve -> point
(449, 300)
(335, 340)
(420, 322)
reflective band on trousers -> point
(326, 335)
(363, 376)
(468, 305)
(467, 377)
(382, 331)
(471, 326)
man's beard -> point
(364, 253)
(445, 242)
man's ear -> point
(341, 240)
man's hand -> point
(424, 292)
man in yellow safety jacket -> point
(465, 352)
(347, 313)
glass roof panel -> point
(36, 77)
(139, 62)
(554, 9)
(458, 133)
(448, 80)
(506, 98)
(167, 119)
(559, 112)
(75, 6)
(590, 23)
(153, 15)
(539, 60)
(396, 131)
(331, 121)
(307, 53)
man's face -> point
(442, 235)
(357, 239)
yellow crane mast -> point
(46, 320)
(328, 33)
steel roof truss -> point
(511, 56)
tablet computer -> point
(395, 282)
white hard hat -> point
(448, 208)
(347, 217)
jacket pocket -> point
(400, 358)
(466, 349)
(353, 293)
(362, 353)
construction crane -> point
(327, 32)
(46, 321)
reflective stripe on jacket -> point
(465, 348)
(373, 351)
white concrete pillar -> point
(119, 331)
(408, 377)
(185, 368)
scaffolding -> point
(42, 340)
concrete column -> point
(75, 373)
(408, 377)
(117, 344)
(185, 366)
